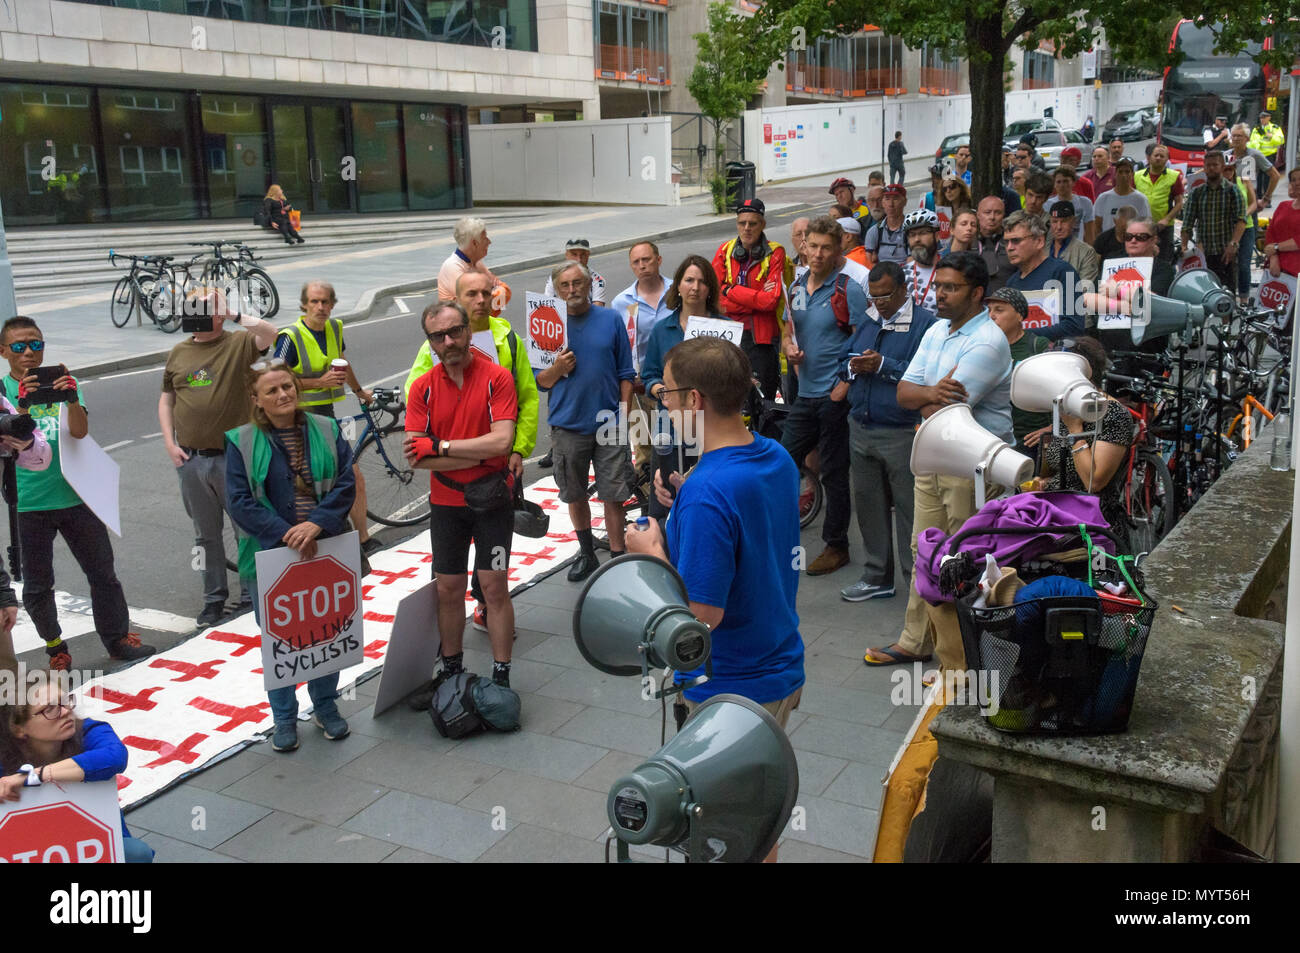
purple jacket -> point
(1035, 513)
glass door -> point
(311, 156)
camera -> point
(21, 426)
(200, 315)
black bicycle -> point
(145, 287)
(255, 292)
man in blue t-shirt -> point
(590, 385)
(1026, 240)
(49, 506)
(824, 308)
(733, 532)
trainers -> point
(332, 724)
(60, 661)
(129, 648)
(585, 565)
(285, 737)
(212, 613)
(546, 461)
(862, 590)
(371, 546)
(831, 559)
(480, 617)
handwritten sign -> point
(697, 326)
(1044, 309)
(547, 329)
(1123, 276)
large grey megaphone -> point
(632, 616)
(951, 443)
(721, 791)
(1195, 296)
(1057, 381)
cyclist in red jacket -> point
(750, 272)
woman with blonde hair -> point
(955, 194)
(277, 212)
(289, 482)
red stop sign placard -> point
(310, 602)
(55, 833)
(546, 328)
(1274, 294)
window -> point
(131, 165)
(148, 148)
(1039, 70)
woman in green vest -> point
(289, 482)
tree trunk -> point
(987, 104)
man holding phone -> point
(205, 392)
(49, 506)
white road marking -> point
(401, 306)
(113, 446)
(75, 619)
(109, 377)
(150, 436)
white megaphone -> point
(1057, 381)
(951, 443)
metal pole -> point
(1292, 121)
(1288, 817)
(8, 302)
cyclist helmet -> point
(920, 218)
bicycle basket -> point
(1058, 665)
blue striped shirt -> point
(982, 358)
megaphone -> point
(1057, 381)
(1195, 296)
(951, 443)
(632, 616)
(720, 791)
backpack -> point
(840, 304)
(465, 704)
(261, 219)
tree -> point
(984, 32)
(726, 77)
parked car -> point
(950, 144)
(1011, 136)
(1130, 125)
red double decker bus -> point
(1205, 85)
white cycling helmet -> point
(920, 218)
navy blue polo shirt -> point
(599, 342)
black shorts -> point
(452, 528)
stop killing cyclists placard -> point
(547, 329)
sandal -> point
(895, 657)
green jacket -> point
(517, 364)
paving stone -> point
(176, 814)
(430, 826)
(826, 668)
(844, 739)
(554, 596)
(609, 769)
(542, 715)
(412, 768)
(284, 838)
(542, 803)
(400, 723)
(835, 826)
(612, 729)
(816, 771)
(586, 686)
(230, 770)
(407, 855)
(858, 784)
(328, 798)
(168, 850)
(798, 852)
(559, 650)
(543, 756)
(847, 704)
(320, 753)
(534, 845)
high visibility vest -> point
(312, 363)
(766, 263)
(1267, 139)
(1156, 190)
(254, 446)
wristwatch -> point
(444, 448)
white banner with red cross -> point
(178, 710)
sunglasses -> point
(1138, 237)
(19, 346)
(270, 364)
(450, 334)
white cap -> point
(850, 225)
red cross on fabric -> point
(378, 617)
(375, 649)
(549, 505)
(424, 557)
(246, 643)
(238, 716)
(188, 671)
(569, 537)
(122, 781)
(527, 559)
(597, 522)
(166, 749)
(124, 702)
(391, 577)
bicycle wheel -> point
(1151, 504)
(122, 304)
(396, 495)
(164, 301)
(258, 294)
(811, 497)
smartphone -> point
(198, 316)
(44, 393)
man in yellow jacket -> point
(1268, 139)
(310, 346)
(474, 294)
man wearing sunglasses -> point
(205, 392)
(49, 506)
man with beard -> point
(1163, 188)
(922, 230)
(1216, 215)
(751, 274)
(989, 244)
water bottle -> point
(1281, 457)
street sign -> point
(62, 824)
(311, 611)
